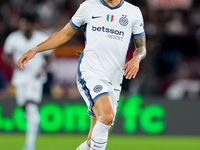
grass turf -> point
(115, 142)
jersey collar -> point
(119, 5)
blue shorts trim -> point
(89, 112)
(87, 92)
(98, 96)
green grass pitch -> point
(115, 142)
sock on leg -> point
(83, 146)
(99, 136)
(32, 118)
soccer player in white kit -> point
(28, 82)
(110, 26)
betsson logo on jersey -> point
(113, 34)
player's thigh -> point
(34, 91)
(115, 96)
(96, 93)
(91, 89)
(20, 91)
(31, 91)
(103, 107)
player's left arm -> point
(131, 68)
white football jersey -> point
(17, 44)
(108, 32)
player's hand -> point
(24, 59)
(131, 68)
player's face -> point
(25, 25)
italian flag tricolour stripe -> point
(110, 18)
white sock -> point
(99, 136)
(83, 146)
(32, 118)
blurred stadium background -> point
(158, 110)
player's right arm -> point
(52, 42)
(8, 50)
(8, 59)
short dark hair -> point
(30, 17)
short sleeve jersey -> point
(108, 32)
(17, 44)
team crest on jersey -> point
(110, 18)
(123, 20)
(97, 88)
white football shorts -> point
(92, 88)
(29, 91)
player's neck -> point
(112, 3)
(28, 34)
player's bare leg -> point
(93, 122)
(32, 117)
(104, 113)
(86, 145)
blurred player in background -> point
(109, 26)
(28, 82)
